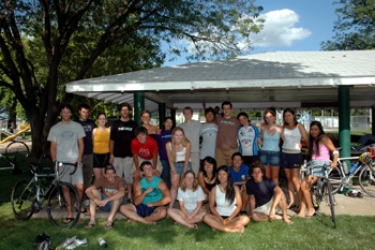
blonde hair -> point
(184, 142)
(183, 184)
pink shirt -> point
(324, 153)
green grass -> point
(353, 232)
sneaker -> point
(359, 194)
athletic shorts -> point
(270, 158)
(144, 211)
(101, 160)
(291, 160)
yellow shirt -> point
(101, 141)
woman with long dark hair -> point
(321, 148)
(207, 176)
(162, 139)
(225, 205)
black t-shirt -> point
(263, 191)
(88, 127)
(122, 133)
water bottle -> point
(354, 167)
(102, 242)
(345, 167)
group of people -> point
(142, 170)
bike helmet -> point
(365, 157)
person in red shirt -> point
(144, 148)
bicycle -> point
(28, 196)
(363, 166)
(322, 189)
(16, 152)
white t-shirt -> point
(191, 198)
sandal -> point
(91, 224)
(68, 220)
(109, 225)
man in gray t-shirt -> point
(192, 130)
(67, 146)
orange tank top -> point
(101, 141)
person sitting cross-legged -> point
(191, 197)
(265, 196)
(225, 205)
(107, 192)
(150, 196)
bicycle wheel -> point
(331, 202)
(59, 203)
(22, 199)
(16, 152)
(335, 176)
(367, 179)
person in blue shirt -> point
(150, 197)
(240, 174)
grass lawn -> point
(316, 233)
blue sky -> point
(291, 25)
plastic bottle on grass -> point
(102, 242)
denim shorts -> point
(270, 158)
(316, 168)
(291, 160)
(108, 206)
(179, 167)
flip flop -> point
(68, 220)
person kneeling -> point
(150, 196)
(227, 198)
(107, 192)
(191, 197)
(265, 197)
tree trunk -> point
(40, 127)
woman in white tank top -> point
(178, 152)
(225, 205)
(291, 158)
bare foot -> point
(301, 215)
(130, 221)
(240, 230)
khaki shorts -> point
(123, 168)
(266, 208)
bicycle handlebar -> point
(60, 164)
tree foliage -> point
(355, 26)
(46, 43)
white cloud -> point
(279, 29)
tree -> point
(47, 43)
(355, 26)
